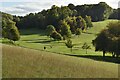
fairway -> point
(28, 63)
(36, 39)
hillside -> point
(36, 39)
(25, 63)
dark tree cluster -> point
(69, 26)
(109, 40)
(98, 12)
(53, 16)
(115, 14)
(66, 20)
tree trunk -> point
(86, 51)
(103, 53)
(71, 49)
(117, 55)
(113, 54)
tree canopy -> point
(55, 14)
(9, 30)
(109, 39)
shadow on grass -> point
(45, 41)
(34, 39)
(88, 33)
(99, 58)
(33, 31)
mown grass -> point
(36, 39)
(21, 62)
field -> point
(36, 39)
(28, 63)
(29, 59)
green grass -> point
(36, 39)
(21, 62)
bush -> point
(9, 30)
(69, 44)
(50, 29)
(85, 46)
(88, 21)
(78, 31)
(65, 29)
(56, 36)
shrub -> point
(56, 36)
(69, 44)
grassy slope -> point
(37, 40)
(21, 62)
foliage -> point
(50, 29)
(78, 31)
(71, 6)
(9, 30)
(115, 14)
(88, 21)
(108, 39)
(81, 23)
(85, 46)
(56, 36)
(52, 16)
(98, 12)
(71, 21)
(30, 41)
(65, 30)
(69, 44)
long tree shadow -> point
(33, 31)
(45, 41)
(88, 33)
(99, 58)
(34, 39)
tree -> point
(85, 46)
(71, 21)
(9, 30)
(78, 31)
(101, 42)
(52, 16)
(88, 21)
(108, 39)
(50, 29)
(13, 33)
(98, 12)
(56, 36)
(115, 14)
(71, 6)
(81, 23)
(114, 36)
(65, 12)
(69, 44)
(65, 30)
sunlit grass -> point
(28, 63)
(36, 39)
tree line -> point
(115, 14)
(61, 22)
(52, 16)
